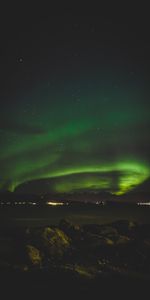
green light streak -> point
(132, 175)
(98, 143)
(129, 174)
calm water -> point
(39, 216)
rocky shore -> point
(90, 257)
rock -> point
(108, 231)
(124, 227)
(64, 225)
(122, 240)
(106, 242)
(102, 230)
(69, 228)
(94, 241)
(73, 231)
(22, 267)
(33, 255)
(55, 242)
(84, 272)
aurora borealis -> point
(74, 111)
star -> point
(20, 59)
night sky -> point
(75, 103)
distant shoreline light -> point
(55, 203)
(143, 203)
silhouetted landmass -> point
(135, 196)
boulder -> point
(124, 227)
(101, 230)
(73, 231)
(94, 241)
(122, 240)
(108, 231)
(64, 225)
(55, 242)
(33, 255)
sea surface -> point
(76, 214)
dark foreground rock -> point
(89, 256)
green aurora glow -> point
(75, 104)
(94, 142)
